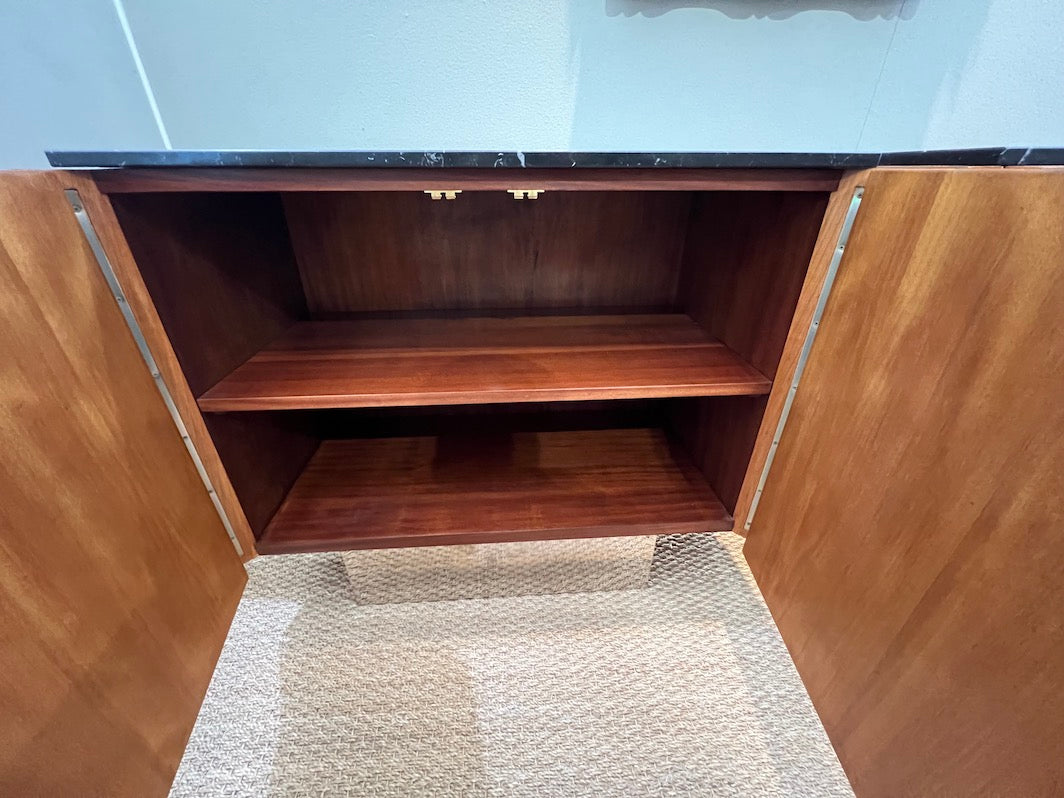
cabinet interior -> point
(377, 368)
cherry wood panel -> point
(236, 179)
(117, 579)
(224, 282)
(395, 362)
(783, 372)
(102, 214)
(263, 454)
(220, 271)
(744, 267)
(719, 433)
(404, 251)
(386, 492)
(428, 420)
(909, 539)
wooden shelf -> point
(388, 492)
(402, 362)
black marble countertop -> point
(987, 156)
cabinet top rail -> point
(123, 181)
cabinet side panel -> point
(744, 267)
(220, 272)
(719, 434)
(909, 540)
(264, 453)
(114, 242)
(827, 238)
(222, 276)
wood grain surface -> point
(379, 493)
(223, 279)
(487, 251)
(718, 432)
(102, 213)
(263, 454)
(826, 241)
(910, 541)
(221, 274)
(484, 360)
(117, 579)
(745, 262)
(744, 267)
(412, 179)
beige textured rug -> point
(679, 688)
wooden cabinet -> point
(371, 364)
(354, 364)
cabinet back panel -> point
(392, 422)
(395, 251)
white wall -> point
(773, 75)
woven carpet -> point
(679, 688)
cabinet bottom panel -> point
(471, 488)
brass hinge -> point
(525, 193)
(444, 193)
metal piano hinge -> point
(444, 193)
(810, 336)
(525, 193)
(145, 352)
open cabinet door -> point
(117, 579)
(910, 538)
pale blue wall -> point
(970, 73)
(548, 74)
(512, 74)
(67, 81)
